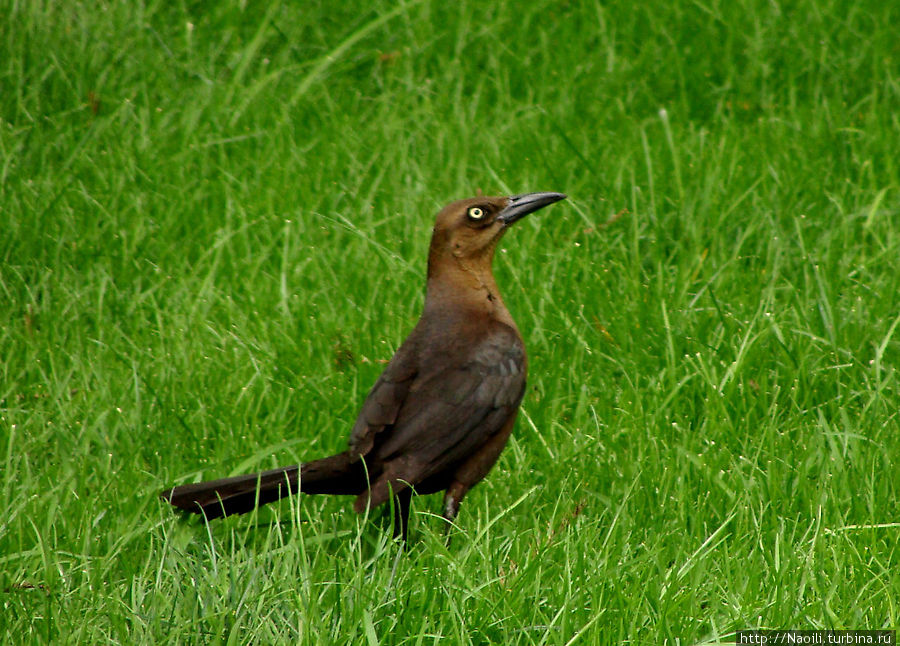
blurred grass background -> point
(213, 226)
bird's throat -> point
(467, 285)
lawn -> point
(214, 219)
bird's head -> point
(469, 229)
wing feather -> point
(458, 405)
(435, 405)
(384, 401)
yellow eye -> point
(475, 212)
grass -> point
(214, 225)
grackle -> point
(442, 411)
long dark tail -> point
(336, 474)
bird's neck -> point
(466, 286)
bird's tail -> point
(337, 474)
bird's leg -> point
(455, 493)
(401, 514)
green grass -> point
(213, 227)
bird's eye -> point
(475, 212)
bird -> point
(443, 409)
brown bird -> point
(442, 411)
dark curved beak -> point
(521, 205)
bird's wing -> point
(384, 401)
(457, 401)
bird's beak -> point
(521, 205)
